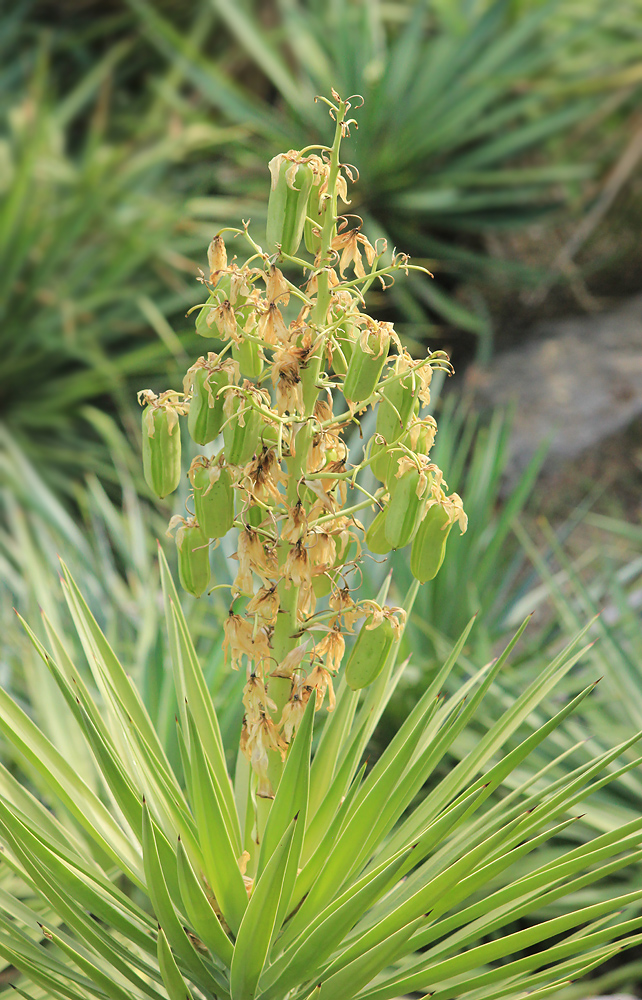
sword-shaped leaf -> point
(164, 908)
(192, 690)
(258, 926)
(291, 797)
(199, 909)
(64, 782)
(177, 988)
(220, 861)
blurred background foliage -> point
(132, 130)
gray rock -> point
(577, 380)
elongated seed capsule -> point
(288, 202)
(396, 406)
(276, 202)
(404, 509)
(205, 417)
(254, 515)
(376, 535)
(193, 558)
(321, 584)
(241, 430)
(429, 545)
(313, 222)
(161, 444)
(202, 328)
(213, 496)
(364, 370)
(369, 654)
(384, 459)
(248, 356)
(309, 378)
(342, 353)
(296, 206)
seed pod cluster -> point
(294, 366)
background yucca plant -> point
(102, 132)
(468, 109)
(94, 247)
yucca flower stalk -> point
(281, 478)
(309, 875)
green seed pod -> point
(204, 382)
(193, 558)
(202, 328)
(321, 585)
(341, 358)
(396, 406)
(241, 439)
(369, 654)
(269, 435)
(254, 515)
(364, 369)
(248, 356)
(295, 210)
(161, 441)
(213, 496)
(277, 200)
(310, 379)
(429, 545)
(288, 203)
(404, 510)
(376, 535)
(384, 459)
(312, 241)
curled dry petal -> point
(321, 680)
(292, 661)
(170, 401)
(265, 604)
(287, 382)
(271, 325)
(240, 639)
(297, 569)
(332, 646)
(296, 523)
(255, 697)
(223, 318)
(262, 476)
(349, 244)
(277, 288)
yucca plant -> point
(94, 249)
(309, 875)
